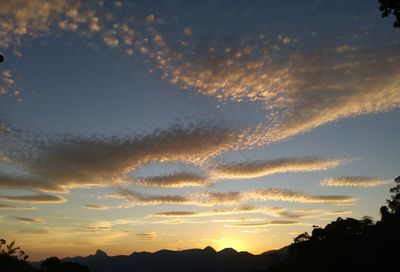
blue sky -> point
(179, 124)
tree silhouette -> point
(13, 259)
(390, 7)
(349, 244)
(12, 251)
(1, 58)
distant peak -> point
(209, 249)
(227, 251)
(100, 252)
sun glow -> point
(231, 242)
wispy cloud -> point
(147, 236)
(252, 169)
(39, 198)
(268, 223)
(354, 182)
(176, 213)
(28, 219)
(14, 207)
(96, 207)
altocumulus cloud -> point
(36, 18)
(246, 69)
(291, 196)
(354, 182)
(59, 164)
(174, 180)
(133, 198)
(260, 168)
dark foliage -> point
(390, 7)
(349, 244)
(11, 264)
(13, 259)
(1, 58)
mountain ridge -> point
(195, 259)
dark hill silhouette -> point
(193, 260)
(349, 244)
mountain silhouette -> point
(100, 252)
(194, 260)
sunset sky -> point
(142, 125)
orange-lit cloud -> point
(331, 83)
(23, 19)
(96, 207)
(353, 182)
(14, 207)
(133, 198)
(291, 196)
(268, 223)
(252, 169)
(39, 198)
(148, 236)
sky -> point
(143, 125)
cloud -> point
(243, 209)
(39, 198)
(176, 213)
(174, 180)
(59, 164)
(353, 182)
(96, 207)
(34, 231)
(247, 209)
(148, 236)
(28, 219)
(291, 196)
(254, 169)
(27, 183)
(135, 198)
(309, 213)
(36, 18)
(13, 207)
(299, 90)
(268, 223)
(224, 198)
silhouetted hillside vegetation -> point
(13, 259)
(349, 244)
